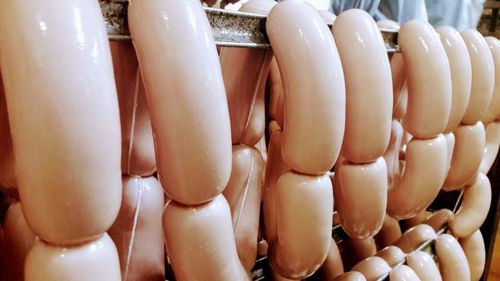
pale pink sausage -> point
(400, 108)
(424, 266)
(474, 208)
(245, 71)
(312, 105)
(491, 147)
(424, 173)
(372, 268)
(8, 182)
(138, 231)
(414, 237)
(350, 276)
(429, 103)
(475, 252)
(483, 76)
(461, 74)
(391, 156)
(439, 219)
(19, 238)
(356, 250)
(304, 206)
(243, 194)
(65, 121)
(368, 86)
(392, 255)
(411, 222)
(452, 261)
(493, 111)
(450, 147)
(276, 93)
(328, 17)
(95, 260)
(389, 233)
(138, 153)
(200, 241)
(188, 106)
(361, 196)
(467, 155)
(403, 273)
(332, 266)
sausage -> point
(312, 105)
(414, 237)
(243, 194)
(245, 71)
(424, 173)
(64, 120)
(467, 154)
(439, 219)
(304, 206)
(389, 233)
(328, 17)
(401, 107)
(368, 86)
(491, 147)
(8, 182)
(474, 208)
(276, 93)
(475, 252)
(493, 111)
(413, 221)
(429, 103)
(355, 250)
(450, 147)
(200, 241)
(452, 261)
(95, 260)
(137, 231)
(355, 182)
(350, 276)
(461, 74)
(423, 265)
(403, 273)
(332, 266)
(18, 238)
(392, 255)
(372, 268)
(483, 76)
(194, 160)
(138, 154)
(391, 155)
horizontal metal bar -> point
(230, 29)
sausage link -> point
(493, 111)
(491, 147)
(475, 252)
(424, 265)
(332, 266)
(392, 255)
(414, 237)
(452, 261)
(403, 273)
(372, 268)
(350, 276)
(439, 219)
(389, 233)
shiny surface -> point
(439, 219)
(188, 105)
(361, 196)
(491, 148)
(372, 268)
(424, 173)
(475, 252)
(391, 155)
(452, 261)
(474, 208)
(389, 233)
(461, 74)
(429, 103)
(65, 119)
(483, 76)
(403, 273)
(414, 237)
(304, 206)
(332, 266)
(138, 231)
(313, 106)
(243, 194)
(368, 83)
(95, 260)
(200, 241)
(350, 276)
(138, 152)
(493, 111)
(467, 155)
(423, 265)
(392, 255)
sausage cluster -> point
(119, 157)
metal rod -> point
(230, 29)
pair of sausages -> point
(66, 135)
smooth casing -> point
(187, 102)
(491, 147)
(439, 219)
(403, 273)
(452, 261)
(414, 237)
(315, 105)
(389, 233)
(429, 103)
(64, 117)
(392, 255)
(368, 84)
(423, 265)
(493, 111)
(350, 276)
(475, 252)
(372, 268)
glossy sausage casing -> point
(452, 261)
(403, 273)
(424, 265)
(475, 252)
(368, 86)
(314, 108)
(491, 148)
(493, 111)
(372, 268)
(392, 255)
(429, 103)
(65, 121)
(188, 106)
(414, 237)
